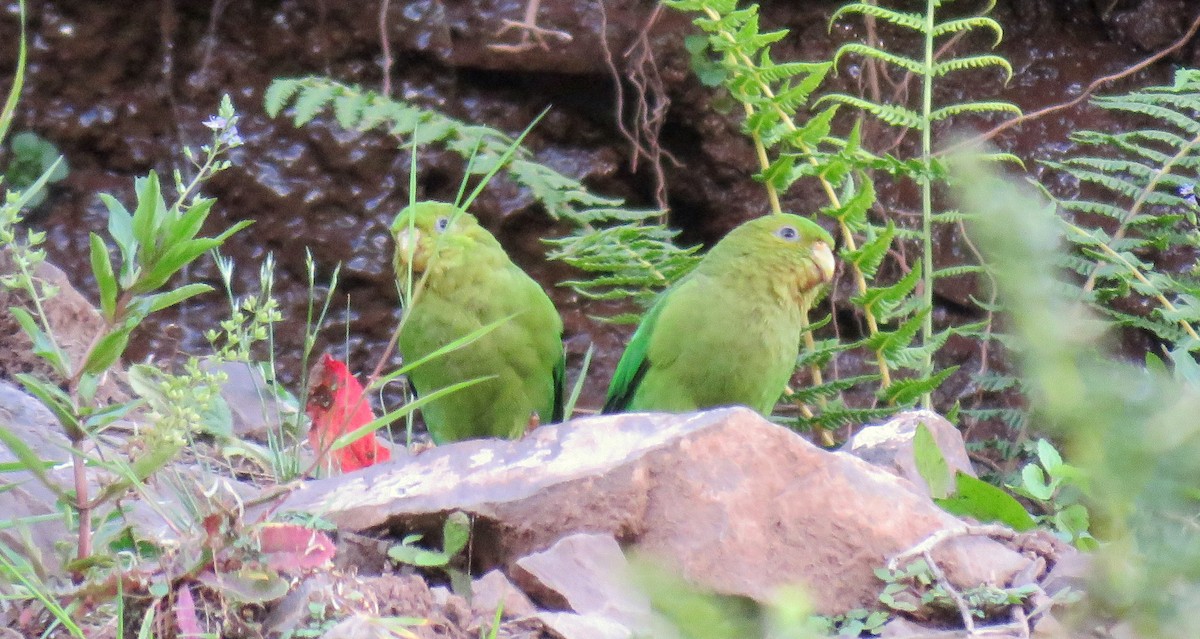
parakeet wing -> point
(634, 363)
(560, 382)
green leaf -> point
(29, 461)
(278, 94)
(1048, 456)
(1033, 483)
(59, 403)
(311, 101)
(108, 350)
(456, 532)
(106, 281)
(159, 301)
(171, 261)
(120, 227)
(43, 346)
(188, 224)
(980, 500)
(148, 215)
(930, 462)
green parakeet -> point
(462, 281)
(728, 332)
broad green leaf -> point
(146, 217)
(171, 261)
(417, 556)
(980, 500)
(188, 224)
(1033, 483)
(456, 532)
(1048, 456)
(108, 350)
(166, 299)
(930, 462)
(105, 279)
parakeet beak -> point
(406, 241)
(822, 256)
(408, 250)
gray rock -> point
(568, 625)
(587, 574)
(493, 590)
(255, 411)
(25, 501)
(890, 445)
(735, 503)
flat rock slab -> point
(735, 503)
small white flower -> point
(216, 122)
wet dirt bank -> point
(120, 92)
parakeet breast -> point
(514, 361)
(726, 345)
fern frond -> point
(278, 94)
(892, 114)
(905, 392)
(973, 62)
(957, 271)
(635, 257)
(908, 64)
(973, 107)
(913, 21)
(966, 24)
(870, 254)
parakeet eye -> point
(442, 224)
(788, 233)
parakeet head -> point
(426, 229)
(787, 247)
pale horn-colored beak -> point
(822, 256)
(406, 242)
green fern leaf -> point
(892, 114)
(908, 64)
(278, 93)
(965, 24)
(890, 295)
(905, 392)
(870, 254)
(973, 107)
(347, 109)
(957, 271)
(913, 21)
(310, 101)
(973, 62)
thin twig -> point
(964, 609)
(946, 534)
(1096, 84)
(386, 46)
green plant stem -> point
(78, 467)
(14, 93)
(927, 198)
(202, 174)
(860, 279)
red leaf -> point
(337, 406)
(292, 547)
